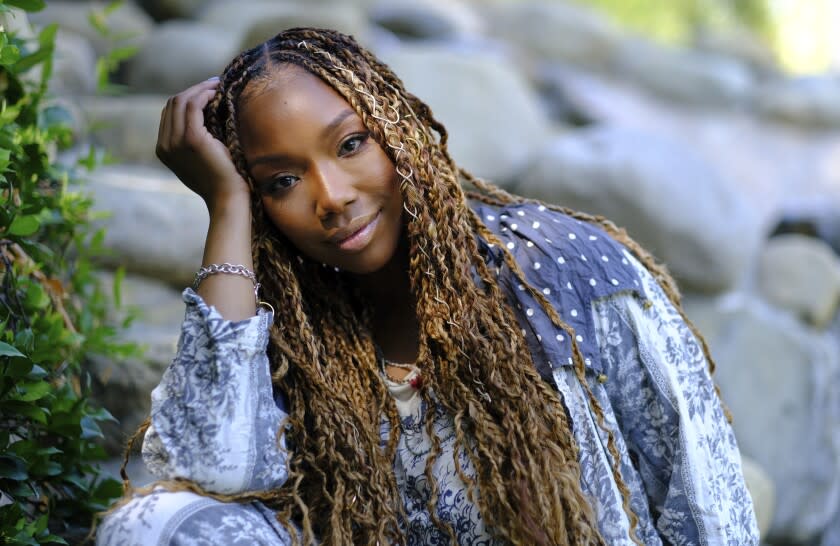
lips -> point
(356, 233)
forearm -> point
(229, 241)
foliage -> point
(52, 312)
(680, 20)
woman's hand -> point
(198, 159)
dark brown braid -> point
(474, 358)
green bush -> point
(52, 312)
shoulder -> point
(556, 249)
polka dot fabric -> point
(569, 261)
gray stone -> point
(123, 386)
(162, 10)
(687, 76)
(557, 31)
(127, 126)
(179, 54)
(763, 493)
(426, 20)
(130, 23)
(807, 101)
(256, 21)
(156, 226)
(668, 199)
(801, 274)
(493, 118)
(738, 43)
(781, 381)
(74, 65)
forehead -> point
(288, 106)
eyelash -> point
(276, 185)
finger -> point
(194, 117)
(180, 105)
(164, 129)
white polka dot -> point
(546, 291)
(529, 244)
(547, 240)
(510, 245)
(520, 213)
(541, 208)
(523, 332)
(535, 225)
(579, 338)
(604, 258)
(561, 260)
(504, 216)
(574, 312)
(555, 220)
(537, 265)
(588, 362)
(624, 261)
(569, 285)
(549, 364)
(614, 282)
(529, 312)
(514, 227)
(593, 238)
(571, 361)
(491, 245)
(539, 337)
(504, 229)
(592, 282)
(521, 287)
(572, 236)
(582, 257)
(490, 217)
(558, 337)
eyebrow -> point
(330, 127)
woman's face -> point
(324, 181)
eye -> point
(352, 144)
(279, 183)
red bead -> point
(416, 382)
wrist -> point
(229, 204)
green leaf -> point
(24, 225)
(32, 391)
(12, 467)
(27, 409)
(89, 428)
(27, 5)
(8, 350)
(37, 372)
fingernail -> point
(212, 78)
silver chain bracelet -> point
(231, 269)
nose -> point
(334, 190)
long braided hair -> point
(514, 429)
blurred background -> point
(710, 129)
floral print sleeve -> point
(214, 420)
(672, 422)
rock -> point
(762, 491)
(179, 54)
(426, 20)
(741, 44)
(493, 119)
(807, 101)
(817, 218)
(556, 31)
(256, 21)
(781, 381)
(128, 22)
(127, 126)
(156, 226)
(687, 76)
(668, 199)
(163, 10)
(123, 386)
(74, 65)
(801, 274)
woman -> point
(436, 367)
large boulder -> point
(688, 76)
(127, 126)
(668, 199)
(556, 31)
(74, 65)
(179, 54)
(123, 385)
(127, 25)
(801, 274)
(155, 225)
(256, 21)
(163, 10)
(493, 118)
(763, 493)
(427, 19)
(807, 101)
(781, 381)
